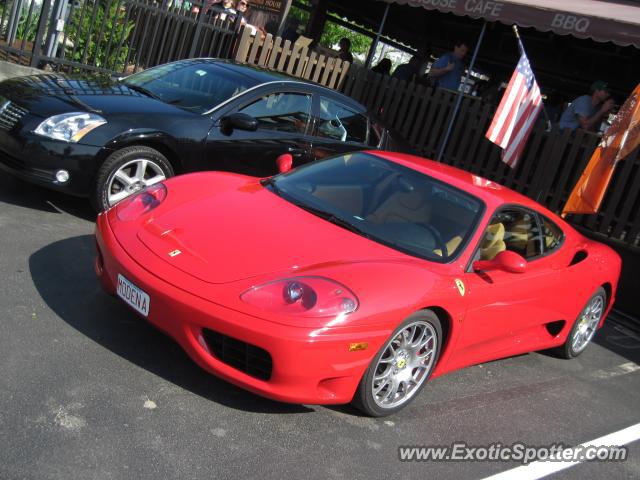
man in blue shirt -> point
(448, 69)
(587, 111)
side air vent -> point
(554, 328)
(579, 256)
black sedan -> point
(105, 138)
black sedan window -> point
(283, 112)
(196, 86)
(386, 202)
(341, 123)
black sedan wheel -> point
(126, 172)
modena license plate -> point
(133, 296)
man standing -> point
(448, 69)
(587, 111)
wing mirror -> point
(240, 121)
(284, 162)
(505, 260)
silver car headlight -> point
(69, 127)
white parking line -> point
(622, 369)
(536, 470)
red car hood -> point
(242, 230)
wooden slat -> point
(331, 63)
(631, 199)
(320, 63)
(308, 70)
(335, 73)
(243, 46)
(409, 119)
(418, 125)
(346, 66)
(389, 95)
(380, 94)
(615, 192)
(302, 62)
(274, 52)
(403, 90)
(284, 55)
(253, 53)
(266, 49)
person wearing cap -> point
(587, 111)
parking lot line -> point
(539, 469)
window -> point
(282, 112)
(515, 230)
(340, 123)
(552, 235)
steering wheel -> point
(440, 245)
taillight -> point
(303, 296)
(142, 202)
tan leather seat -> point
(403, 207)
(493, 242)
(451, 245)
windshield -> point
(194, 85)
(386, 202)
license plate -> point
(133, 296)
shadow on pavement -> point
(63, 275)
(619, 340)
(14, 191)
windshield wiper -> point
(142, 90)
(332, 218)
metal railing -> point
(112, 36)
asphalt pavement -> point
(90, 391)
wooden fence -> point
(281, 55)
(549, 168)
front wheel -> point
(401, 367)
(126, 172)
(585, 326)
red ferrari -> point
(353, 279)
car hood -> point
(241, 230)
(50, 94)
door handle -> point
(296, 152)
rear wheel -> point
(126, 172)
(585, 326)
(401, 367)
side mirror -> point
(505, 260)
(284, 162)
(240, 121)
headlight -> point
(303, 296)
(69, 127)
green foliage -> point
(333, 33)
(114, 33)
(26, 31)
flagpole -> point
(445, 140)
(544, 108)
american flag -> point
(517, 112)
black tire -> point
(567, 350)
(117, 160)
(364, 400)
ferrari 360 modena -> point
(353, 279)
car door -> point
(340, 128)
(510, 313)
(284, 123)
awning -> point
(599, 20)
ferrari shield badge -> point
(174, 253)
(460, 286)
